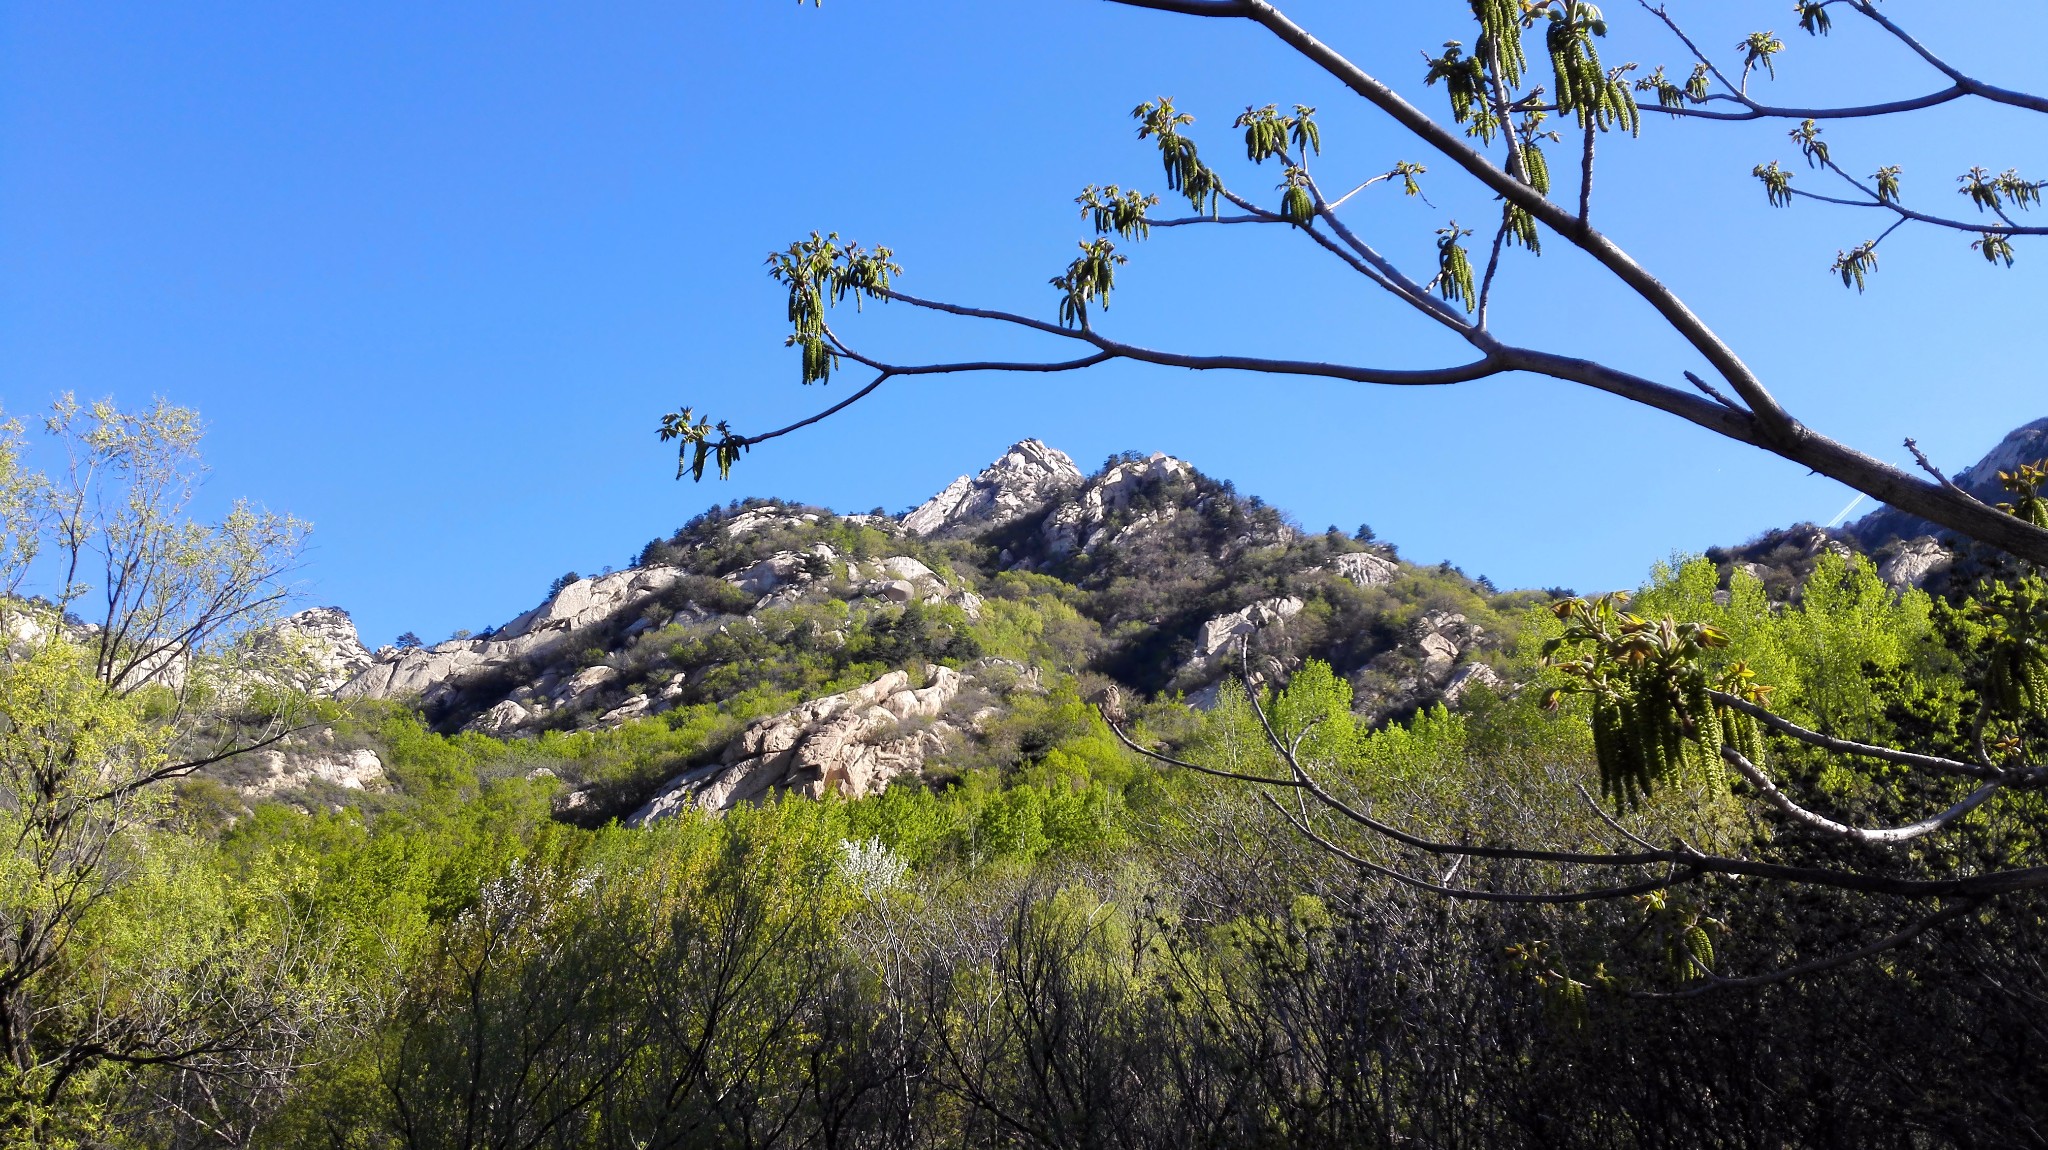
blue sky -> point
(431, 272)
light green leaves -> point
(1185, 171)
(1994, 247)
(1653, 719)
(1268, 133)
(1807, 137)
(1297, 206)
(1758, 50)
(1112, 209)
(1464, 78)
(1887, 181)
(695, 446)
(2006, 189)
(1777, 183)
(1585, 89)
(1856, 263)
(1090, 277)
(1521, 228)
(821, 272)
(1454, 267)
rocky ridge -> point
(1182, 577)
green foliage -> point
(1185, 172)
(1647, 687)
(1088, 279)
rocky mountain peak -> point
(1027, 477)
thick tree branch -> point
(1837, 746)
(1886, 836)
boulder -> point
(1366, 569)
(1914, 563)
(851, 743)
(319, 646)
(782, 568)
(1469, 676)
(1026, 478)
(508, 717)
(1217, 640)
(755, 518)
(266, 773)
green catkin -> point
(1536, 167)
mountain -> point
(2027, 443)
(844, 651)
(1909, 551)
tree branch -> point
(1881, 837)
(1937, 763)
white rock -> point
(1914, 563)
(754, 519)
(317, 650)
(1028, 476)
(1073, 525)
(396, 672)
(579, 689)
(281, 770)
(1217, 641)
(851, 743)
(1366, 569)
(1467, 677)
(505, 718)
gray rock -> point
(291, 769)
(396, 673)
(506, 718)
(1074, 525)
(1217, 641)
(1469, 676)
(851, 743)
(1366, 569)
(1915, 562)
(1026, 478)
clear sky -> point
(431, 272)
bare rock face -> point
(395, 673)
(1365, 569)
(851, 743)
(1442, 636)
(1074, 525)
(262, 774)
(1467, 677)
(321, 645)
(1914, 563)
(1026, 478)
(1217, 641)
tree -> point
(1532, 85)
(96, 719)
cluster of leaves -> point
(1652, 717)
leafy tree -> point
(96, 720)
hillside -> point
(789, 648)
(864, 647)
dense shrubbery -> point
(1057, 943)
